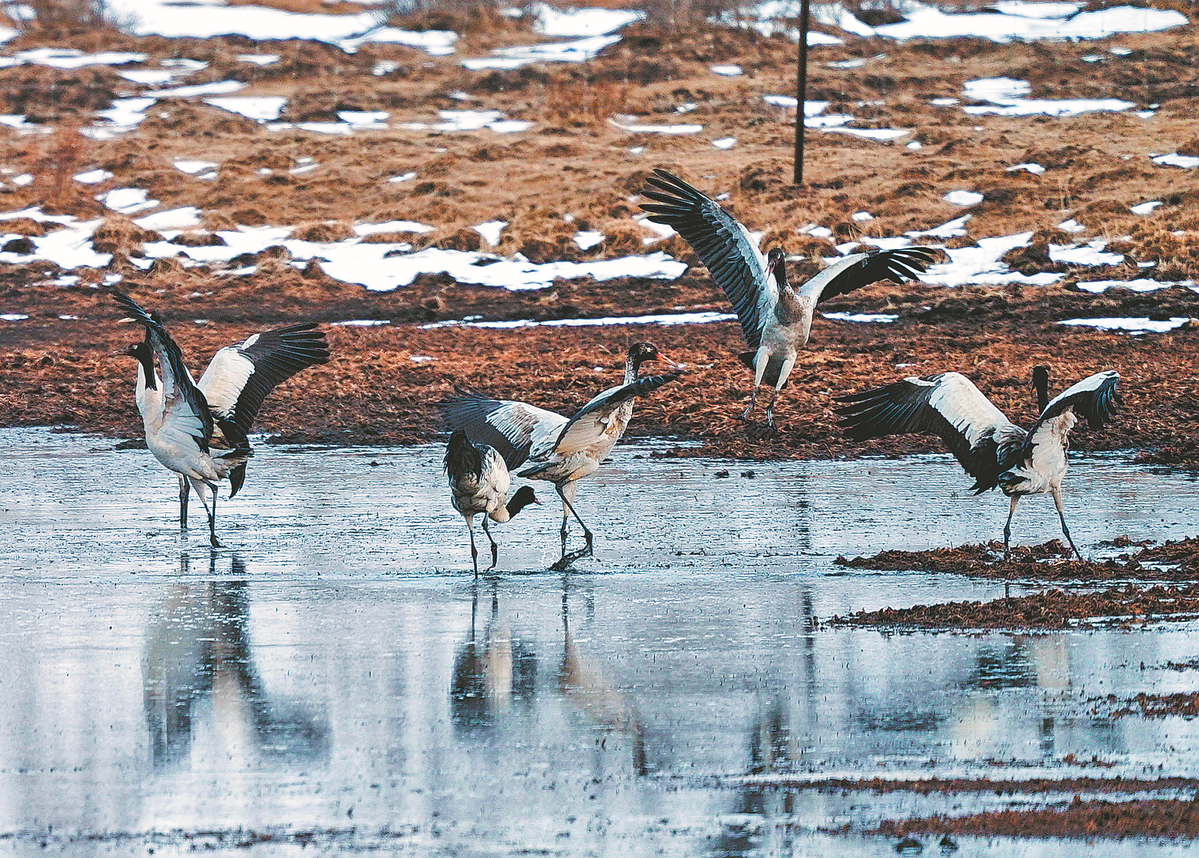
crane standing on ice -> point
(990, 447)
(199, 431)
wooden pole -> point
(801, 91)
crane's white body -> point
(485, 493)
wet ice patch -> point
(1134, 326)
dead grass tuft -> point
(121, 237)
(577, 103)
(323, 231)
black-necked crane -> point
(989, 447)
(775, 318)
(199, 430)
(554, 448)
(479, 483)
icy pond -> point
(336, 679)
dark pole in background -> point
(801, 91)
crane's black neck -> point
(1040, 381)
(146, 358)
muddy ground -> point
(574, 170)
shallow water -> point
(337, 672)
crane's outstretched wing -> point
(948, 405)
(591, 422)
(1094, 398)
(512, 428)
(862, 269)
(185, 413)
(722, 243)
(239, 377)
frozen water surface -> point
(336, 676)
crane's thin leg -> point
(495, 549)
(205, 491)
(184, 491)
(1057, 501)
(760, 361)
(1007, 527)
(567, 493)
(784, 373)
(474, 552)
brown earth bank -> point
(574, 169)
(1028, 786)
(1126, 607)
(381, 388)
(1051, 561)
(1166, 818)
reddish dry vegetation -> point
(574, 170)
(1150, 818)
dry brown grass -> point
(578, 103)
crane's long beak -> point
(125, 352)
(670, 363)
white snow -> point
(928, 22)
(1091, 253)
(437, 43)
(148, 77)
(13, 317)
(981, 265)
(180, 218)
(67, 58)
(362, 323)
(127, 200)
(861, 217)
(635, 128)
(364, 229)
(701, 318)
(1141, 284)
(1145, 207)
(880, 318)
(577, 51)
(949, 229)
(491, 231)
(587, 239)
(570, 23)
(727, 70)
(93, 177)
(1187, 162)
(220, 87)
(880, 134)
(1134, 326)
(963, 198)
(1049, 106)
(725, 143)
(996, 88)
(403, 177)
(260, 108)
(194, 167)
(1071, 225)
(1035, 169)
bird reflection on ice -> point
(206, 705)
